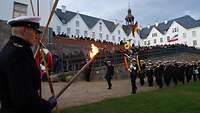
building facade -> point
(183, 30)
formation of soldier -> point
(158, 73)
(168, 72)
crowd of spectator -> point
(64, 35)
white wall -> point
(180, 32)
(119, 36)
(97, 31)
(191, 38)
(181, 40)
(6, 9)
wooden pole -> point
(38, 8)
(74, 77)
(32, 8)
(47, 25)
(40, 44)
(48, 76)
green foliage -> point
(177, 99)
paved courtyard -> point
(82, 92)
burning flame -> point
(94, 51)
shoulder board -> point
(17, 45)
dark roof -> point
(144, 32)
(198, 23)
(110, 25)
(64, 17)
(89, 20)
(126, 29)
(185, 21)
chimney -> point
(166, 22)
(156, 24)
(63, 8)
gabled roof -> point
(126, 29)
(198, 23)
(144, 32)
(64, 17)
(185, 21)
(110, 25)
(89, 20)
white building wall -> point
(156, 38)
(56, 22)
(119, 34)
(191, 37)
(170, 33)
(104, 31)
(72, 25)
(134, 40)
(124, 35)
(6, 9)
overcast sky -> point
(146, 12)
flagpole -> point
(42, 52)
(49, 20)
(38, 8)
(32, 8)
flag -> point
(173, 39)
(126, 63)
(135, 28)
(138, 63)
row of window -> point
(86, 34)
(168, 38)
(161, 40)
(176, 30)
(184, 34)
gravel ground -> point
(82, 92)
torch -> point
(92, 54)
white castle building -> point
(182, 30)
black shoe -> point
(109, 88)
(133, 92)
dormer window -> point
(154, 34)
(77, 23)
(100, 26)
(174, 30)
(118, 32)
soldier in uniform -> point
(142, 73)
(158, 73)
(133, 76)
(20, 76)
(109, 73)
(168, 73)
(149, 75)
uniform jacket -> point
(20, 79)
(110, 71)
